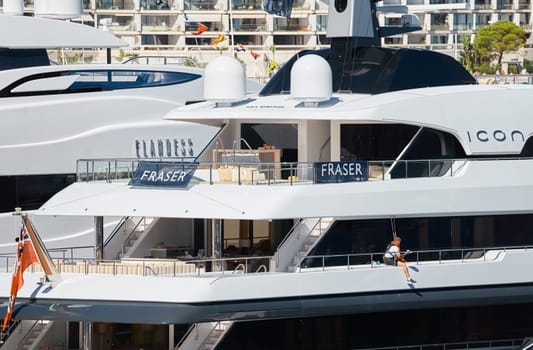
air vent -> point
(224, 81)
(311, 80)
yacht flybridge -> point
(284, 216)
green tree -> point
(502, 36)
(467, 53)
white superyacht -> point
(295, 199)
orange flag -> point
(220, 38)
(255, 55)
(201, 28)
(26, 256)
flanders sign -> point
(163, 174)
(333, 172)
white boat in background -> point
(53, 115)
(280, 224)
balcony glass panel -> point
(113, 5)
(508, 17)
(155, 23)
(154, 39)
(290, 40)
(416, 39)
(192, 26)
(155, 4)
(117, 23)
(439, 39)
(247, 5)
(482, 4)
(291, 24)
(194, 5)
(482, 21)
(394, 21)
(249, 24)
(249, 40)
(439, 22)
(321, 23)
(415, 2)
(393, 41)
(463, 22)
(524, 5)
(524, 20)
(504, 5)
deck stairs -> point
(141, 225)
(35, 334)
(302, 238)
(204, 336)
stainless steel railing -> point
(258, 264)
(440, 256)
(479, 344)
(120, 170)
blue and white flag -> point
(278, 7)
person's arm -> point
(401, 256)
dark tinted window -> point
(123, 79)
(375, 70)
(527, 150)
(372, 236)
(97, 80)
(340, 5)
(428, 145)
(374, 141)
(31, 191)
(10, 59)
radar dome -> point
(224, 80)
(311, 79)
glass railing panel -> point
(247, 5)
(199, 5)
(268, 173)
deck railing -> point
(246, 173)
(231, 266)
(479, 344)
(438, 256)
(182, 267)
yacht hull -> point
(262, 309)
(499, 277)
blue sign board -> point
(333, 172)
(163, 174)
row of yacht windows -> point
(450, 234)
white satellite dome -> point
(13, 7)
(61, 9)
(311, 79)
(224, 80)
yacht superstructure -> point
(287, 211)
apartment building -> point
(169, 27)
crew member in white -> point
(394, 257)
